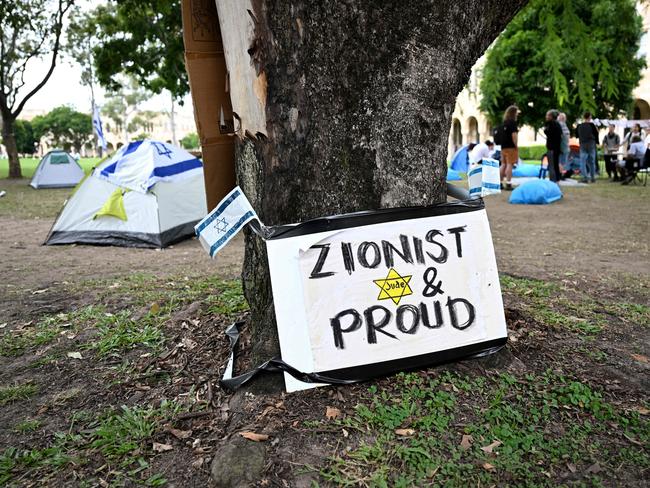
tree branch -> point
(64, 6)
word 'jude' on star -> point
(394, 286)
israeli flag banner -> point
(225, 221)
(97, 124)
(483, 178)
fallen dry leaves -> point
(158, 447)
(332, 413)
(180, 434)
(641, 358)
(405, 432)
(252, 436)
(466, 442)
(491, 447)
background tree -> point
(25, 140)
(143, 121)
(30, 29)
(143, 39)
(81, 39)
(357, 106)
(122, 104)
(572, 55)
(64, 127)
(190, 141)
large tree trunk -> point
(9, 140)
(357, 110)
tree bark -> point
(9, 140)
(358, 109)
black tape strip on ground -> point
(275, 365)
(356, 374)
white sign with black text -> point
(382, 293)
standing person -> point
(611, 144)
(588, 137)
(553, 131)
(565, 150)
(509, 150)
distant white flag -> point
(228, 218)
(97, 123)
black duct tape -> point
(355, 374)
(370, 217)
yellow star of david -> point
(394, 286)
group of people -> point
(636, 149)
(557, 145)
(559, 149)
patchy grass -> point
(540, 430)
(119, 333)
(28, 425)
(554, 305)
(23, 202)
(45, 331)
(14, 393)
(122, 440)
(633, 313)
(217, 296)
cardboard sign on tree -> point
(370, 293)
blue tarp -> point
(453, 175)
(525, 170)
(460, 160)
(536, 192)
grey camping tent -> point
(57, 169)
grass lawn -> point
(110, 361)
(29, 165)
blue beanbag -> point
(526, 170)
(453, 175)
(536, 192)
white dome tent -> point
(57, 169)
(149, 194)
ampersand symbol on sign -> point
(431, 289)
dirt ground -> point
(592, 248)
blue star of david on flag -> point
(225, 221)
(165, 151)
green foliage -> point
(571, 55)
(25, 140)
(518, 432)
(533, 153)
(190, 141)
(143, 39)
(65, 127)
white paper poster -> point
(371, 294)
